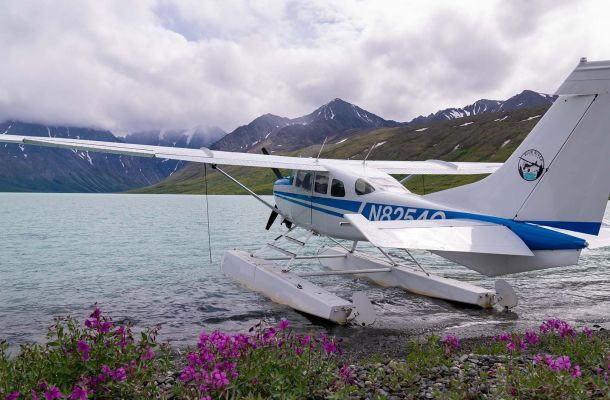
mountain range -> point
(525, 99)
(42, 169)
(30, 168)
(489, 137)
(285, 134)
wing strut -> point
(273, 208)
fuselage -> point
(319, 200)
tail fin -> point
(560, 174)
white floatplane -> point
(538, 210)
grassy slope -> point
(483, 140)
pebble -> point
(377, 380)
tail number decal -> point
(381, 212)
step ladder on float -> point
(260, 271)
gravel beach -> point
(374, 357)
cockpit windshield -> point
(387, 184)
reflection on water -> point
(145, 258)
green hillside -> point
(478, 138)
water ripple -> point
(145, 259)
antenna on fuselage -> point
(369, 153)
(321, 148)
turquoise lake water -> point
(145, 258)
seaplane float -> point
(537, 210)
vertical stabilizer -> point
(560, 174)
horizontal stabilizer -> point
(602, 239)
(441, 234)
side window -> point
(307, 181)
(321, 184)
(363, 187)
(337, 189)
(298, 179)
(303, 180)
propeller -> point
(274, 213)
(271, 219)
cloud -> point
(149, 64)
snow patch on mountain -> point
(525, 99)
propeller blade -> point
(275, 170)
(271, 219)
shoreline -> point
(106, 357)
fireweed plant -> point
(103, 360)
(556, 361)
(565, 362)
(268, 362)
(100, 360)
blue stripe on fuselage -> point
(534, 236)
(346, 205)
(590, 228)
(336, 214)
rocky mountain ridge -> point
(282, 134)
(525, 99)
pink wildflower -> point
(587, 331)
(105, 327)
(532, 338)
(34, 395)
(270, 334)
(563, 363)
(346, 375)
(504, 337)
(106, 370)
(284, 324)
(451, 343)
(298, 350)
(96, 313)
(12, 396)
(148, 354)
(220, 379)
(78, 393)
(330, 347)
(119, 375)
(576, 371)
(510, 346)
(53, 394)
(84, 349)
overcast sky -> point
(134, 65)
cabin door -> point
(301, 207)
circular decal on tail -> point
(531, 165)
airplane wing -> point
(441, 234)
(204, 155)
